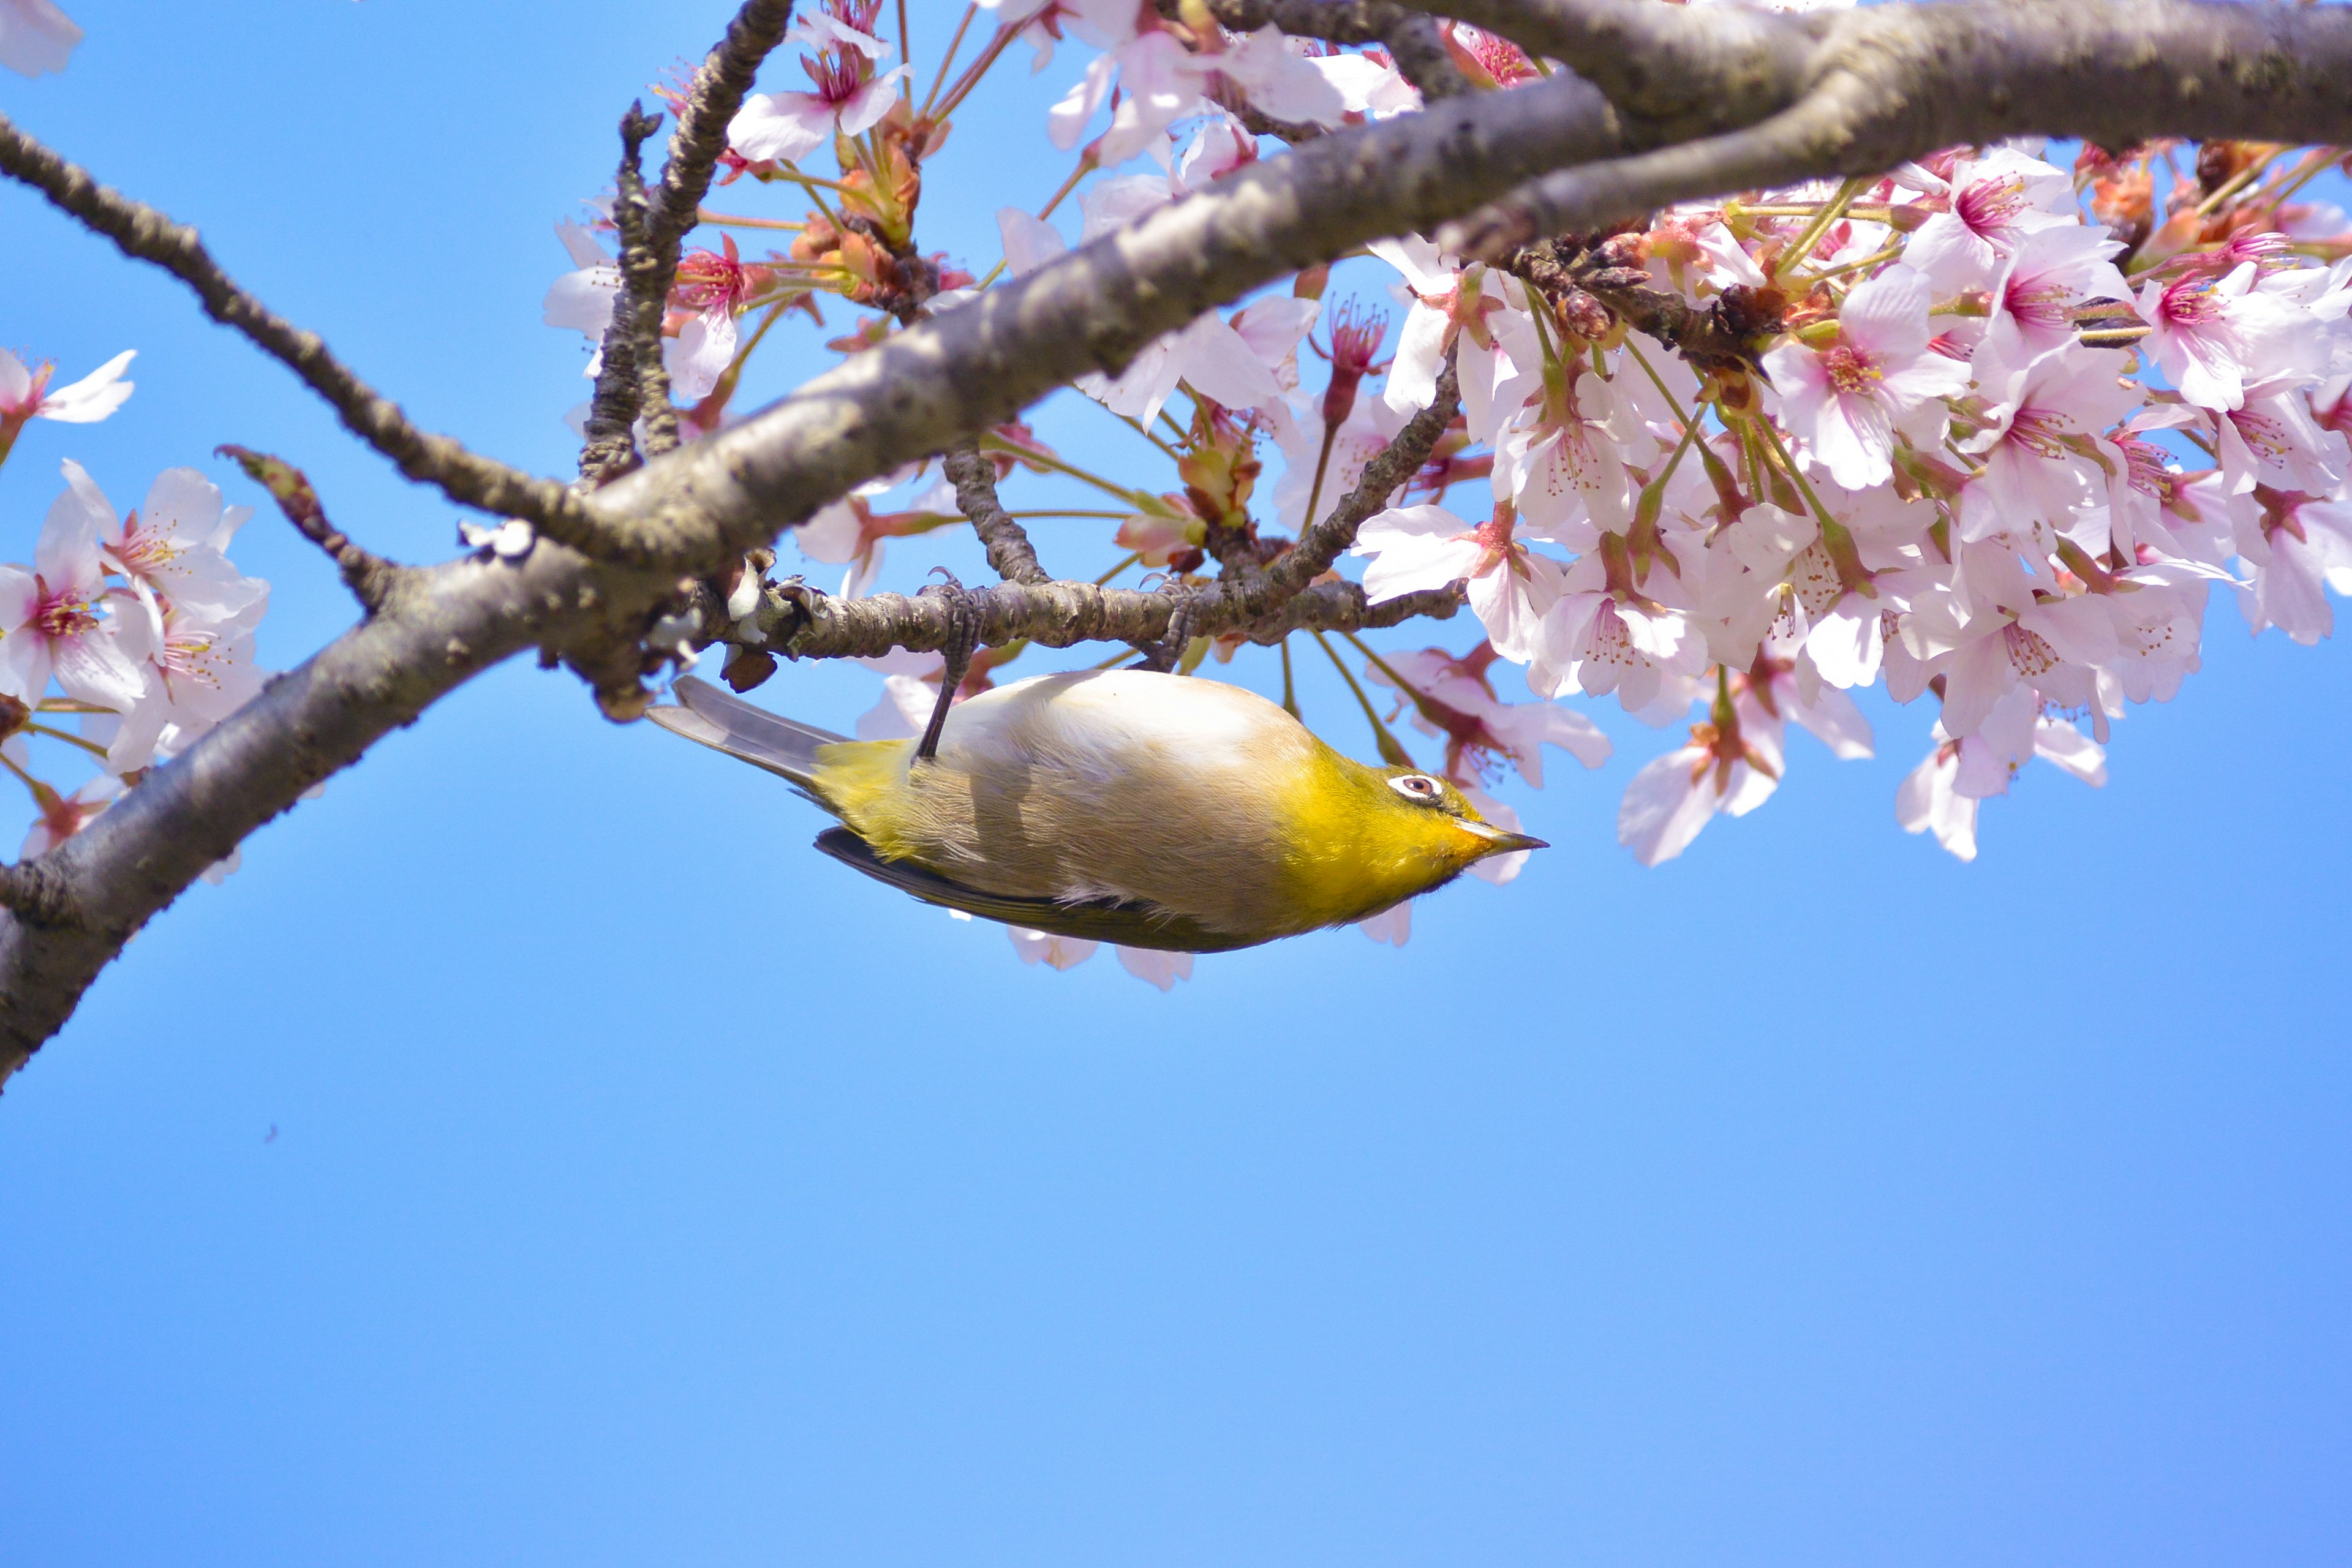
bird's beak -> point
(1500, 841)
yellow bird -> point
(1160, 811)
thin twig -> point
(1010, 553)
(146, 235)
(370, 578)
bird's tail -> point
(726, 723)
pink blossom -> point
(1418, 547)
(1844, 402)
(1280, 79)
(1927, 802)
(850, 533)
(1156, 967)
(1235, 363)
(1452, 698)
(2033, 299)
(2043, 472)
(174, 547)
(1997, 202)
(1725, 769)
(2016, 635)
(1564, 469)
(2271, 439)
(1366, 432)
(1393, 925)
(2211, 335)
(2299, 545)
(1443, 302)
(24, 394)
(34, 37)
(53, 619)
(198, 671)
(1159, 82)
(1601, 635)
(850, 97)
(1054, 951)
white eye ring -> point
(1418, 788)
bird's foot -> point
(963, 641)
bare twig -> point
(1321, 543)
(1010, 553)
(144, 233)
(370, 577)
(652, 225)
(630, 374)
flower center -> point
(63, 615)
(1850, 370)
(1987, 206)
(2029, 653)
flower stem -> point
(946, 60)
(1829, 214)
(1391, 751)
(92, 747)
(1028, 455)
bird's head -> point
(1426, 818)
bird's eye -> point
(1418, 788)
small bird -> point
(1123, 805)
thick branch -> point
(147, 234)
(81, 902)
(1010, 553)
(979, 364)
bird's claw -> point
(963, 641)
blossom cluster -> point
(133, 626)
(1989, 428)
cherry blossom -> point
(1995, 204)
(2042, 467)
(1053, 952)
(1844, 402)
(1155, 966)
(2052, 271)
(849, 531)
(174, 547)
(53, 622)
(1235, 363)
(2297, 544)
(1417, 547)
(1453, 697)
(2208, 333)
(1601, 634)
(24, 394)
(1725, 769)
(851, 96)
(34, 37)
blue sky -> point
(646, 1188)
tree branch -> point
(979, 364)
(631, 373)
(1411, 39)
(370, 578)
(142, 233)
(1010, 554)
(1856, 93)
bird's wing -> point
(1117, 920)
(726, 723)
